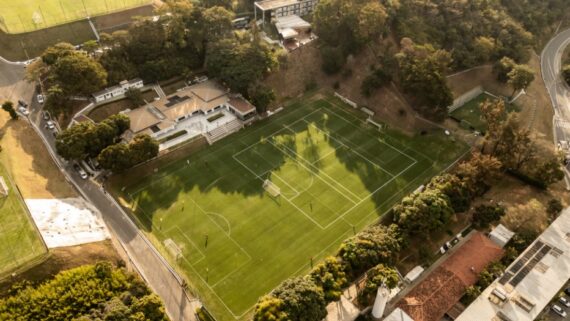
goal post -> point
(271, 188)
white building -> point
(118, 90)
(270, 9)
(530, 282)
(501, 235)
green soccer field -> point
(334, 175)
(20, 242)
(27, 15)
(470, 113)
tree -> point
(52, 54)
(529, 217)
(72, 143)
(331, 277)
(548, 171)
(372, 246)
(520, 77)
(8, 106)
(143, 148)
(115, 157)
(333, 59)
(261, 96)
(493, 113)
(90, 46)
(422, 73)
(514, 147)
(56, 100)
(479, 172)
(420, 213)
(376, 277)
(217, 23)
(484, 48)
(135, 96)
(296, 299)
(89, 292)
(455, 188)
(486, 214)
(554, 207)
(78, 74)
(503, 67)
(239, 64)
(471, 293)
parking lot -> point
(552, 316)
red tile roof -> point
(437, 293)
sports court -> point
(248, 212)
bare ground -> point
(65, 258)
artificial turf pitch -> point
(336, 174)
(28, 15)
(20, 242)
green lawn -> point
(27, 15)
(470, 113)
(20, 242)
(336, 174)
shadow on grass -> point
(223, 167)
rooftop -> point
(438, 292)
(275, 4)
(531, 281)
(113, 88)
(241, 104)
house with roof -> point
(205, 108)
(438, 292)
(118, 90)
(530, 282)
(270, 9)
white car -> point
(80, 171)
(23, 110)
(50, 124)
(40, 99)
(558, 310)
(564, 302)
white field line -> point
(203, 256)
(351, 149)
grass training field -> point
(20, 241)
(335, 174)
(470, 113)
(27, 15)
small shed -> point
(414, 274)
(501, 235)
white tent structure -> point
(290, 26)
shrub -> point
(331, 277)
(486, 214)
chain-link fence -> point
(30, 15)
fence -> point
(463, 99)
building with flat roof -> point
(434, 296)
(118, 90)
(269, 9)
(530, 282)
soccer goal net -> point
(271, 188)
(173, 248)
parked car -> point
(564, 302)
(40, 99)
(50, 124)
(558, 310)
(80, 171)
(22, 103)
(45, 115)
(23, 110)
(567, 291)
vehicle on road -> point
(80, 171)
(23, 110)
(22, 103)
(40, 99)
(558, 310)
(564, 302)
(50, 124)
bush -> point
(486, 214)
(554, 207)
(331, 277)
(375, 277)
(376, 79)
(333, 59)
(135, 96)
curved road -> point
(150, 264)
(551, 65)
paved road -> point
(551, 65)
(142, 254)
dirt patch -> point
(63, 259)
(102, 112)
(303, 71)
(26, 157)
